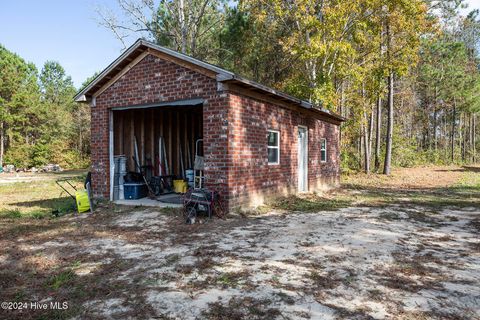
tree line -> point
(39, 121)
(403, 72)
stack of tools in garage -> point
(162, 183)
(138, 191)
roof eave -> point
(101, 75)
(81, 98)
(189, 59)
(139, 43)
(85, 95)
(329, 114)
(299, 102)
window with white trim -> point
(323, 150)
(273, 146)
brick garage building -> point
(257, 142)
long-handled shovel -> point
(151, 194)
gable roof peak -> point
(141, 46)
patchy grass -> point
(62, 279)
(428, 177)
(171, 259)
(11, 214)
(434, 188)
(393, 241)
(36, 195)
(232, 279)
(309, 203)
(242, 308)
(322, 282)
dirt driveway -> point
(391, 261)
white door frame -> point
(110, 151)
(305, 167)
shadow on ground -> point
(462, 169)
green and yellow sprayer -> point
(82, 198)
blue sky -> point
(65, 31)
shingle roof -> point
(223, 75)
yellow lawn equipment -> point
(81, 197)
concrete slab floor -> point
(146, 202)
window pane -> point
(324, 144)
(323, 155)
(273, 139)
(272, 155)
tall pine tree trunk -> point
(474, 147)
(463, 133)
(389, 142)
(370, 135)
(435, 118)
(183, 26)
(366, 160)
(360, 150)
(445, 135)
(342, 110)
(435, 134)
(426, 144)
(469, 140)
(378, 132)
(452, 138)
(80, 143)
(2, 143)
(367, 130)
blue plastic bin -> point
(133, 191)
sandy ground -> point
(369, 260)
(355, 263)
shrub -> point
(11, 214)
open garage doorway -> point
(158, 141)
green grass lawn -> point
(39, 197)
(461, 190)
(454, 186)
(431, 187)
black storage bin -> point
(134, 190)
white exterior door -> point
(302, 159)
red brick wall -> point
(155, 80)
(250, 178)
(235, 133)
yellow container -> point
(83, 204)
(179, 186)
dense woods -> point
(39, 122)
(405, 74)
